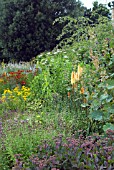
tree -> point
(97, 11)
(27, 25)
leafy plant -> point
(82, 153)
(53, 80)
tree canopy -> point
(26, 26)
(97, 11)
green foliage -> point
(27, 29)
(25, 139)
(21, 133)
(81, 153)
(79, 30)
(53, 80)
(58, 106)
(100, 97)
(96, 57)
(74, 30)
(95, 13)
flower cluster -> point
(75, 76)
(16, 93)
(19, 77)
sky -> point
(88, 3)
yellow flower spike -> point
(76, 77)
(80, 70)
(73, 77)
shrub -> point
(93, 152)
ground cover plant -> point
(82, 153)
(57, 112)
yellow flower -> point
(24, 88)
(80, 70)
(73, 77)
(76, 77)
(15, 94)
(19, 93)
(16, 89)
(12, 97)
(24, 97)
(7, 91)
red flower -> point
(23, 83)
(12, 73)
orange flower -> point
(11, 73)
(20, 71)
(82, 90)
(68, 94)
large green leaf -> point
(108, 126)
(109, 87)
(104, 96)
(110, 83)
(96, 115)
(109, 99)
(108, 108)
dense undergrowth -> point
(57, 112)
